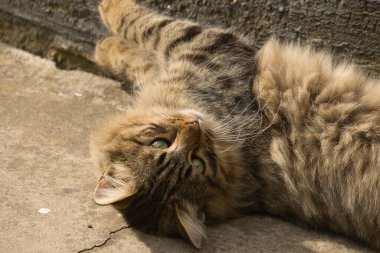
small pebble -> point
(67, 190)
(78, 94)
(44, 210)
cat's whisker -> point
(232, 125)
(228, 115)
(255, 135)
(246, 124)
(260, 110)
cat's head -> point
(168, 172)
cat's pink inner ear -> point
(191, 225)
(109, 190)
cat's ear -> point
(191, 223)
(110, 190)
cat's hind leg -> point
(124, 61)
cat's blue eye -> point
(198, 164)
(161, 144)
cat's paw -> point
(112, 11)
(124, 61)
(102, 51)
(108, 55)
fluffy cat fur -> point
(284, 131)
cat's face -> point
(166, 171)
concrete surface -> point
(46, 117)
(66, 31)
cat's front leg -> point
(152, 32)
(125, 61)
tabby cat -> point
(218, 129)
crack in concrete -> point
(105, 241)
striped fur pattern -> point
(283, 131)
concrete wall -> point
(66, 31)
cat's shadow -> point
(257, 234)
